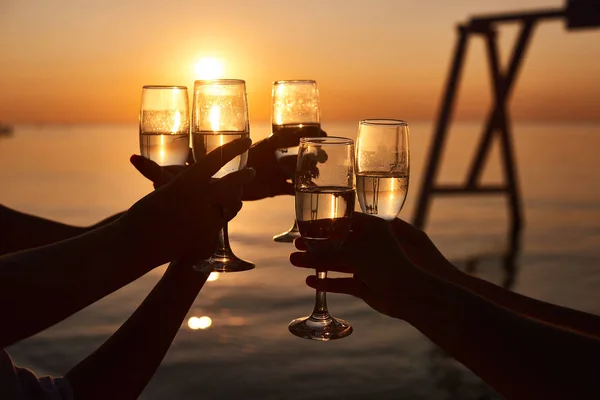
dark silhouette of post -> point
(578, 14)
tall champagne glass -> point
(382, 166)
(165, 124)
(324, 206)
(219, 116)
(295, 109)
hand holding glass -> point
(324, 206)
(295, 111)
(219, 116)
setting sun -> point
(208, 68)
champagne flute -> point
(295, 110)
(165, 124)
(382, 166)
(324, 206)
(219, 116)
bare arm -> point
(519, 357)
(65, 277)
(423, 253)
(21, 231)
(69, 275)
(566, 318)
(126, 362)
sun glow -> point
(208, 68)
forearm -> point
(129, 358)
(64, 278)
(105, 221)
(423, 253)
(20, 231)
(552, 314)
(518, 356)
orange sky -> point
(86, 61)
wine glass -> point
(382, 166)
(324, 206)
(295, 109)
(165, 124)
(219, 116)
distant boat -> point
(6, 129)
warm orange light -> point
(209, 68)
(161, 152)
(176, 127)
(214, 116)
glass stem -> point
(294, 228)
(320, 311)
(223, 248)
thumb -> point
(284, 188)
(148, 168)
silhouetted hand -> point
(420, 249)
(382, 274)
(185, 215)
(272, 175)
(158, 175)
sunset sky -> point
(86, 60)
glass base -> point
(289, 236)
(320, 329)
(223, 263)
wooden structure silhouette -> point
(578, 14)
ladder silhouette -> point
(578, 14)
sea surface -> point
(80, 174)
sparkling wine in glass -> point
(324, 205)
(165, 124)
(295, 111)
(219, 116)
(382, 166)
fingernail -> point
(251, 172)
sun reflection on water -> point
(199, 323)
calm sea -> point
(81, 174)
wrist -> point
(183, 269)
(419, 297)
(133, 247)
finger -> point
(309, 260)
(288, 163)
(232, 182)
(300, 243)
(364, 226)
(403, 228)
(285, 188)
(349, 286)
(206, 167)
(228, 211)
(149, 169)
(174, 170)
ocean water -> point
(81, 174)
